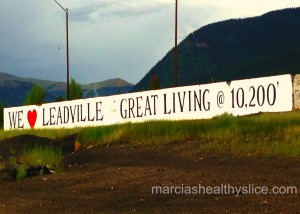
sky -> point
(107, 38)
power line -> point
(67, 43)
(58, 52)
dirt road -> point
(119, 178)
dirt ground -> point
(118, 178)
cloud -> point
(83, 15)
(108, 38)
(110, 11)
(29, 36)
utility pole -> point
(176, 48)
(67, 41)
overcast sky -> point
(108, 38)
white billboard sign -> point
(270, 94)
(267, 94)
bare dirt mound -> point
(19, 143)
(119, 178)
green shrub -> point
(154, 83)
(36, 96)
(21, 172)
(42, 156)
(75, 90)
(268, 134)
(2, 167)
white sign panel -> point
(268, 94)
(191, 102)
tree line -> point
(37, 96)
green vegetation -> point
(44, 156)
(75, 90)
(2, 166)
(103, 135)
(16, 89)
(1, 115)
(21, 172)
(36, 96)
(41, 156)
(154, 84)
(233, 49)
(266, 134)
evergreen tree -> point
(75, 90)
(36, 96)
(154, 84)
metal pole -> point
(176, 48)
(60, 6)
(67, 35)
(68, 68)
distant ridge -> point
(13, 89)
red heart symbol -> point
(31, 117)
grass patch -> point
(21, 172)
(2, 167)
(101, 135)
(267, 134)
(161, 132)
(41, 156)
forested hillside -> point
(234, 49)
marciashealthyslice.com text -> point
(223, 189)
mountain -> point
(233, 49)
(106, 88)
(13, 89)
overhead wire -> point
(57, 53)
(121, 2)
